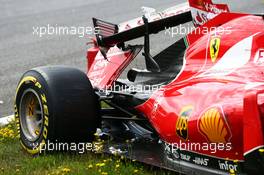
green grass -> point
(13, 160)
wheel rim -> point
(31, 115)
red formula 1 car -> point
(197, 108)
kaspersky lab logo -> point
(182, 122)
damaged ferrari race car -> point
(197, 107)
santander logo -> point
(214, 9)
(204, 11)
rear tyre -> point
(55, 105)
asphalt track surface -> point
(21, 50)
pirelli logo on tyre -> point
(32, 82)
(213, 125)
(182, 122)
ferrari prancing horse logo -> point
(214, 48)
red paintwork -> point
(233, 84)
(102, 73)
(207, 5)
(202, 8)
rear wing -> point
(109, 35)
(205, 10)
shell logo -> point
(213, 125)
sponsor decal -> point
(200, 18)
(227, 166)
(175, 154)
(214, 48)
(127, 27)
(204, 11)
(213, 125)
(182, 122)
(259, 58)
(32, 80)
(31, 106)
(185, 157)
(201, 161)
(212, 8)
(154, 16)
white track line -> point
(6, 120)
